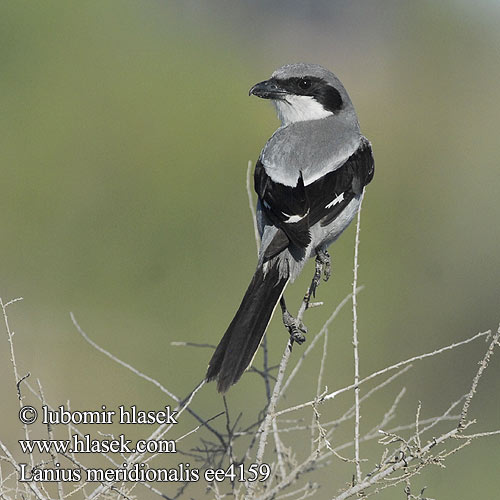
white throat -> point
(299, 108)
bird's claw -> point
(295, 327)
(327, 270)
(322, 267)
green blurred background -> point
(125, 132)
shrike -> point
(309, 179)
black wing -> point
(293, 210)
(286, 207)
(333, 192)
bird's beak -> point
(268, 89)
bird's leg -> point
(295, 327)
(322, 266)
(324, 256)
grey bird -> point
(309, 179)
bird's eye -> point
(304, 83)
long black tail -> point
(243, 336)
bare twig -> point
(50, 434)
(30, 484)
(315, 417)
(355, 344)
(483, 364)
(144, 376)
(403, 460)
(18, 379)
(334, 394)
(264, 429)
(272, 404)
(120, 362)
(350, 413)
(316, 338)
(479, 434)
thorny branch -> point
(355, 343)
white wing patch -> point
(292, 219)
(338, 199)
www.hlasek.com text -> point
(85, 444)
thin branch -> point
(272, 404)
(334, 394)
(389, 414)
(313, 342)
(264, 428)
(399, 428)
(350, 412)
(355, 343)
(315, 416)
(120, 362)
(403, 460)
(279, 450)
(18, 379)
(138, 457)
(479, 434)
(443, 416)
(50, 434)
(144, 376)
(32, 486)
(482, 366)
(308, 490)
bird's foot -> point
(322, 267)
(295, 327)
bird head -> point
(302, 92)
